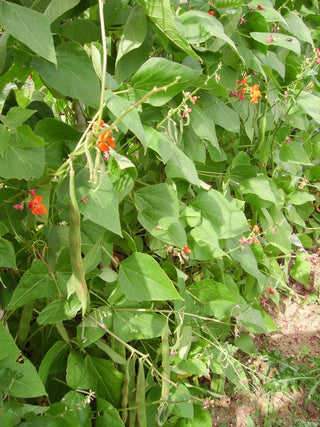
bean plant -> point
(159, 164)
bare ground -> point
(298, 338)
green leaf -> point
(129, 325)
(161, 14)
(117, 106)
(203, 241)
(133, 60)
(268, 12)
(105, 380)
(182, 408)
(158, 213)
(7, 254)
(158, 72)
(57, 8)
(203, 125)
(252, 319)
(30, 27)
(81, 31)
(226, 218)
(245, 343)
(77, 376)
(26, 383)
(57, 353)
(114, 356)
(4, 139)
(3, 229)
(57, 135)
(74, 76)
(178, 164)
(301, 269)
(276, 229)
(272, 61)
(297, 27)
(16, 116)
(245, 256)
(31, 160)
(8, 347)
(3, 49)
(35, 283)
(88, 332)
(107, 415)
(300, 198)
(258, 191)
(310, 104)
(142, 279)
(216, 296)
(223, 115)
(134, 32)
(102, 206)
(199, 26)
(294, 152)
(55, 311)
(281, 40)
(78, 403)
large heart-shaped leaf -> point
(142, 279)
(74, 76)
(30, 27)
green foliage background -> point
(136, 333)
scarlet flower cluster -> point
(250, 239)
(104, 140)
(35, 205)
(239, 93)
(255, 93)
(182, 254)
(187, 109)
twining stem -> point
(145, 358)
(104, 59)
(79, 149)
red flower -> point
(105, 143)
(187, 249)
(270, 39)
(211, 12)
(271, 291)
(18, 206)
(255, 94)
(242, 82)
(35, 205)
(260, 7)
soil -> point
(298, 338)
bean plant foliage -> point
(159, 164)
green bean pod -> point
(141, 396)
(262, 131)
(77, 282)
(163, 410)
(125, 393)
(132, 393)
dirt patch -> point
(298, 339)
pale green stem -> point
(104, 60)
